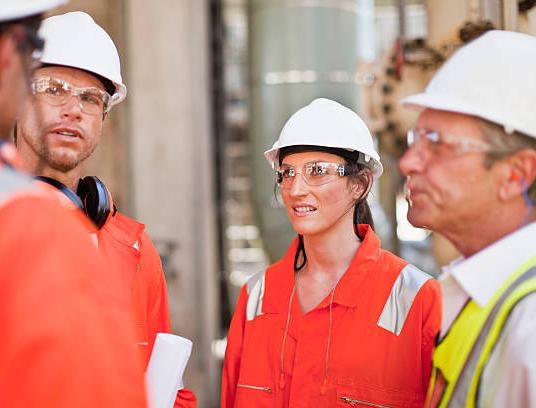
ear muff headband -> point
(64, 189)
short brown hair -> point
(503, 145)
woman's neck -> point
(330, 253)
(328, 257)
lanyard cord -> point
(324, 386)
(282, 374)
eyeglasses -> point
(313, 173)
(93, 101)
(434, 141)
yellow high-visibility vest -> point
(460, 357)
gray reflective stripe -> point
(255, 288)
(401, 298)
(11, 182)
(461, 388)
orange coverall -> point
(345, 360)
(124, 242)
(66, 341)
(128, 251)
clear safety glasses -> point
(435, 142)
(313, 173)
(93, 101)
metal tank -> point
(299, 50)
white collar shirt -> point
(509, 377)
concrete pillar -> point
(156, 158)
(171, 165)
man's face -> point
(59, 136)
(448, 186)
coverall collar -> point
(280, 282)
(125, 230)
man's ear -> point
(522, 174)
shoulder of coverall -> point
(256, 284)
(124, 230)
(411, 286)
(15, 184)
(67, 204)
(77, 273)
(407, 283)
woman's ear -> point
(361, 184)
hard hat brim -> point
(428, 101)
(24, 9)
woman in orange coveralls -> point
(337, 321)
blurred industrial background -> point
(211, 83)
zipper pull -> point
(324, 387)
(281, 380)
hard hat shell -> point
(17, 9)
(491, 78)
(327, 123)
(75, 40)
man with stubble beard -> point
(74, 90)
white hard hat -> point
(326, 123)
(491, 78)
(17, 9)
(75, 40)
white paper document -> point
(163, 377)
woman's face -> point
(318, 209)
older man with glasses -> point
(65, 342)
(471, 171)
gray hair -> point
(503, 145)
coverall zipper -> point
(254, 387)
(354, 402)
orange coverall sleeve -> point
(431, 296)
(158, 320)
(233, 352)
(65, 343)
(157, 301)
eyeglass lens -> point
(56, 92)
